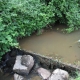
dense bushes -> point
(22, 17)
(67, 11)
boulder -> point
(44, 73)
(19, 77)
(55, 77)
(63, 73)
(19, 68)
(59, 74)
(28, 61)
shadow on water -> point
(54, 43)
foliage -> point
(19, 18)
(78, 76)
(23, 17)
(68, 12)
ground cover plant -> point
(20, 18)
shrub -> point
(23, 17)
(19, 18)
(78, 76)
(68, 12)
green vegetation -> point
(78, 76)
(20, 18)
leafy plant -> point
(20, 18)
(67, 11)
(78, 76)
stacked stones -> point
(57, 74)
(24, 64)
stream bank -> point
(54, 43)
(42, 61)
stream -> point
(56, 44)
(53, 43)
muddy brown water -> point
(10, 77)
(54, 44)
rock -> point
(27, 61)
(59, 74)
(63, 73)
(44, 73)
(19, 77)
(55, 77)
(19, 68)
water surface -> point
(54, 44)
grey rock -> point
(19, 77)
(44, 73)
(63, 73)
(19, 68)
(59, 74)
(28, 61)
(55, 77)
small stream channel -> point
(52, 43)
(55, 44)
